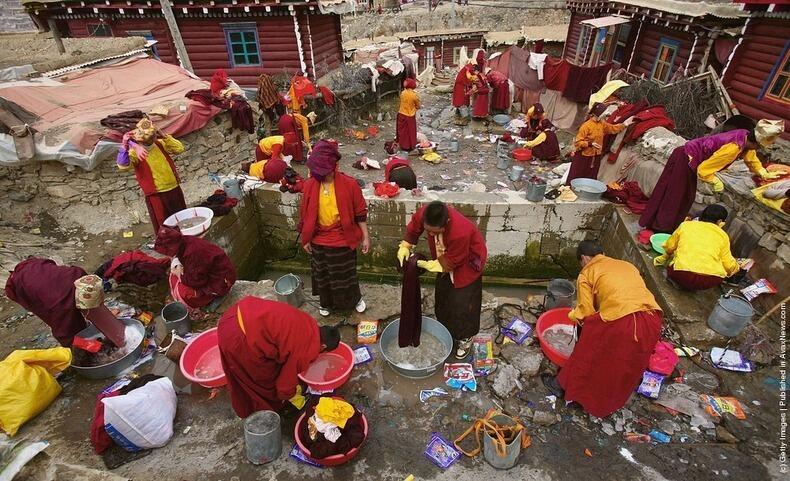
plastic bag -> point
(664, 359)
(142, 419)
(28, 385)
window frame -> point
(621, 42)
(432, 57)
(96, 26)
(456, 55)
(778, 71)
(672, 44)
(231, 28)
(583, 40)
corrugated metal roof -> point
(447, 32)
(549, 33)
(691, 9)
(72, 68)
(605, 21)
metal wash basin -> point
(430, 326)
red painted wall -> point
(326, 42)
(443, 57)
(574, 31)
(647, 48)
(763, 43)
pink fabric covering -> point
(86, 97)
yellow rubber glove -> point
(298, 400)
(430, 266)
(765, 175)
(660, 260)
(717, 184)
(404, 251)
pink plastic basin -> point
(343, 360)
(545, 321)
(202, 356)
(337, 459)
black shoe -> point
(552, 385)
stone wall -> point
(13, 17)
(525, 240)
(106, 199)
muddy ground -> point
(416, 17)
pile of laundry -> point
(333, 427)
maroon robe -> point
(549, 149)
(261, 360)
(480, 103)
(462, 84)
(292, 131)
(501, 90)
(208, 271)
(47, 290)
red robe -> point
(292, 132)
(261, 360)
(466, 250)
(350, 202)
(501, 90)
(462, 84)
(208, 271)
(481, 101)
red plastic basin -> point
(522, 154)
(203, 352)
(344, 351)
(337, 459)
(545, 321)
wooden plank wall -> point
(763, 43)
(327, 46)
(574, 31)
(647, 48)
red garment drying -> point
(555, 73)
(327, 95)
(501, 90)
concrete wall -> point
(239, 234)
(105, 199)
(525, 240)
(13, 17)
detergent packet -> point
(716, 406)
(460, 375)
(367, 332)
(298, 455)
(426, 394)
(651, 385)
(362, 355)
(483, 354)
(761, 286)
(441, 451)
(518, 330)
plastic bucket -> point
(512, 450)
(730, 315)
(263, 437)
(516, 172)
(232, 188)
(289, 290)
(536, 190)
(176, 318)
(546, 320)
(559, 293)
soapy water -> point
(430, 352)
(327, 367)
(191, 222)
(560, 337)
(133, 336)
(209, 365)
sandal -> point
(462, 348)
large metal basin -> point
(431, 326)
(113, 368)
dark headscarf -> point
(323, 160)
(598, 109)
(410, 83)
(169, 241)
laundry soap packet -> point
(441, 451)
(367, 332)
(651, 385)
(483, 352)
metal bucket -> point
(559, 293)
(512, 450)
(503, 149)
(516, 172)
(289, 290)
(176, 318)
(464, 111)
(263, 437)
(536, 190)
(502, 163)
(112, 368)
(232, 188)
(454, 146)
(432, 327)
(730, 315)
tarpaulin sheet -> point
(68, 114)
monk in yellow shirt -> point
(406, 127)
(588, 144)
(269, 165)
(698, 255)
(622, 323)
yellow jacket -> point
(267, 143)
(409, 103)
(702, 248)
(162, 174)
(725, 156)
(593, 131)
(612, 287)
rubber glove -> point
(298, 400)
(404, 251)
(717, 184)
(660, 260)
(430, 266)
(765, 175)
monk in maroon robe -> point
(200, 271)
(481, 92)
(264, 345)
(462, 86)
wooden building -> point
(656, 39)
(441, 48)
(757, 76)
(244, 37)
(552, 36)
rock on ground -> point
(545, 418)
(526, 359)
(505, 380)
